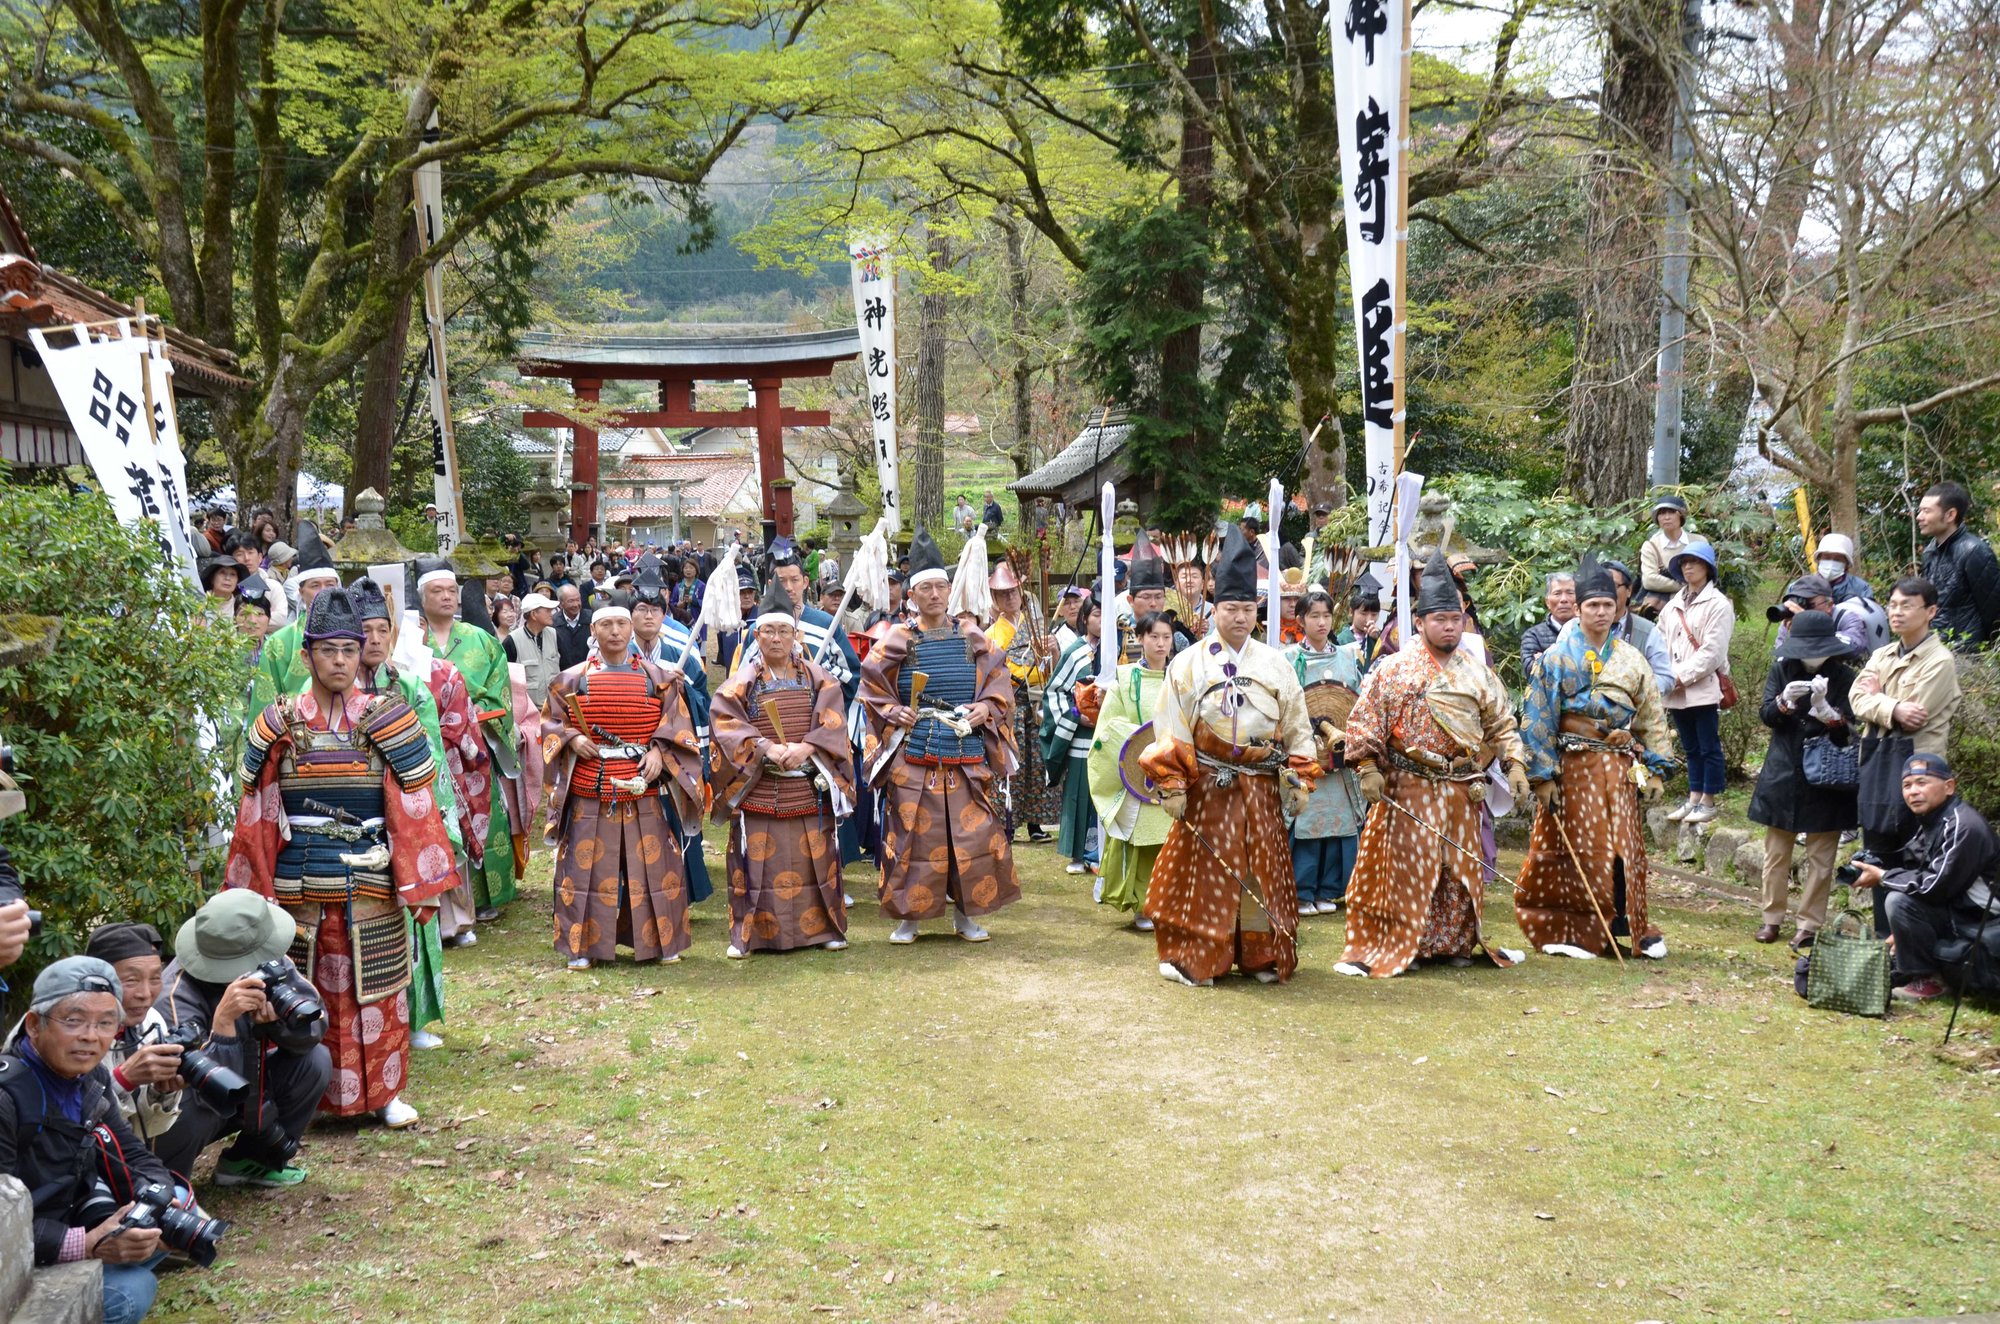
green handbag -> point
(1848, 971)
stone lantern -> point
(548, 520)
(369, 542)
(844, 514)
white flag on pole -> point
(101, 379)
(1368, 58)
(171, 461)
(875, 312)
(429, 204)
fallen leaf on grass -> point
(675, 1238)
(888, 1277)
(1552, 1090)
(1646, 1006)
(464, 1145)
(1546, 1218)
(428, 1163)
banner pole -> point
(1402, 241)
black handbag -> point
(1830, 765)
(1881, 784)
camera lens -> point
(192, 1234)
(219, 1087)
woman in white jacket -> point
(1698, 622)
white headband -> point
(784, 616)
(430, 577)
(924, 576)
(318, 572)
(610, 614)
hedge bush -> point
(122, 794)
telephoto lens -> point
(295, 1004)
(188, 1231)
(1776, 614)
(217, 1086)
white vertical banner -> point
(170, 459)
(1368, 91)
(875, 312)
(429, 204)
(102, 380)
(1107, 593)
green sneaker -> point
(249, 1172)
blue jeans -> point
(1320, 867)
(1700, 730)
(129, 1290)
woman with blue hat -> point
(1698, 621)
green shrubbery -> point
(1975, 732)
(1542, 535)
(121, 795)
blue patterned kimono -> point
(1326, 831)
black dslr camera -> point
(218, 1086)
(188, 1231)
(290, 998)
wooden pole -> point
(1402, 240)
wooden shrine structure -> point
(677, 363)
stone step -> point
(59, 1294)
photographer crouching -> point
(99, 1192)
(251, 1027)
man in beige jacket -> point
(1903, 703)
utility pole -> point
(1675, 260)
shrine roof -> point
(544, 354)
(1095, 456)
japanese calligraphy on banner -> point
(1368, 61)
(119, 399)
(429, 203)
(875, 310)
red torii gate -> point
(677, 363)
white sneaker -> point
(1265, 976)
(463, 938)
(1653, 948)
(1075, 866)
(967, 928)
(905, 932)
(1565, 949)
(837, 945)
(1143, 924)
(396, 1114)
(735, 953)
(847, 900)
(1168, 970)
(1681, 810)
(1703, 814)
(425, 1039)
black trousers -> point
(1920, 925)
(288, 1094)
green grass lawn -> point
(1041, 1128)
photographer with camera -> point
(62, 1136)
(253, 1063)
(145, 1067)
(1814, 593)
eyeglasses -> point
(337, 652)
(78, 1024)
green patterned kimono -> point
(427, 971)
(483, 662)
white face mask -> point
(1831, 566)
(1814, 663)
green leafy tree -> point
(261, 155)
(121, 779)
